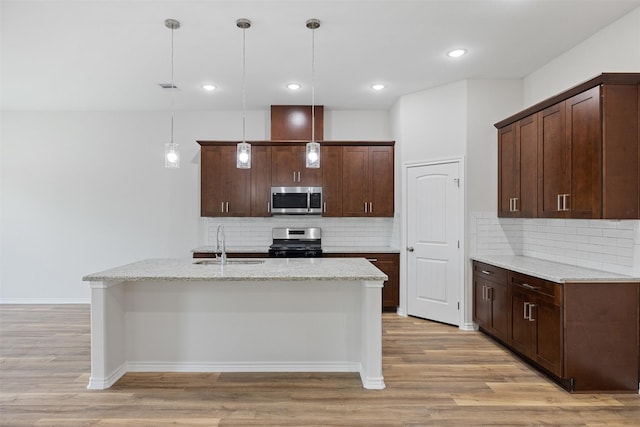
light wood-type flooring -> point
(436, 375)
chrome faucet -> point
(221, 247)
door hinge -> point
(457, 181)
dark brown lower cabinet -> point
(586, 336)
(536, 320)
(490, 305)
(601, 336)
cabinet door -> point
(508, 170)
(355, 182)
(236, 184)
(547, 343)
(517, 168)
(381, 181)
(521, 336)
(289, 168)
(527, 130)
(499, 310)
(285, 166)
(225, 189)
(331, 164)
(583, 137)
(481, 303)
(554, 162)
(211, 194)
(260, 181)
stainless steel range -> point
(296, 242)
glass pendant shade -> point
(243, 155)
(171, 155)
(313, 155)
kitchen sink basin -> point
(230, 262)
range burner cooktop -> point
(296, 242)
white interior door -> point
(433, 242)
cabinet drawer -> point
(535, 284)
(490, 272)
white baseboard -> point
(244, 367)
(468, 327)
(104, 383)
(25, 301)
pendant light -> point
(171, 149)
(313, 148)
(243, 151)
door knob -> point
(410, 248)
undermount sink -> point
(230, 261)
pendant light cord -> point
(313, 90)
(244, 78)
(172, 85)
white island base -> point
(221, 325)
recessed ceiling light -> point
(377, 86)
(293, 86)
(457, 53)
(208, 87)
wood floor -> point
(436, 375)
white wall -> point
(616, 48)
(456, 121)
(433, 123)
(86, 191)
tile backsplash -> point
(256, 232)
(601, 244)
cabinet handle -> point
(563, 204)
(372, 259)
(365, 207)
(221, 206)
(227, 207)
(268, 207)
(370, 207)
(484, 292)
(528, 286)
(515, 204)
(324, 207)
(531, 319)
(526, 311)
(489, 293)
(410, 248)
(486, 272)
(298, 176)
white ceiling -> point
(111, 55)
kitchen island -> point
(258, 315)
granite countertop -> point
(553, 271)
(271, 269)
(234, 249)
(325, 249)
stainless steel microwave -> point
(296, 200)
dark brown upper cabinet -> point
(588, 153)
